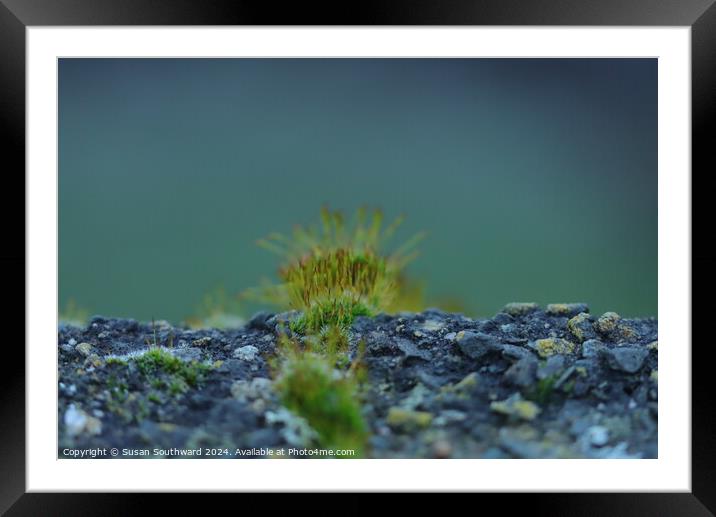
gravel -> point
(525, 383)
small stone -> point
(408, 420)
(552, 367)
(501, 318)
(626, 333)
(410, 350)
(416, 397)
(515, 405)
(476, 345)
(450, 336)
(607, 323)
(257, 388)
(93, 361)
(418, 334)
(296, 430)
(654, 375)
(77, 422)
(442, 449)
(592, 348)
(260, 321)
(72, 341)
(550, 346)
(84, 348)
(432, 325)
(462, 388)
(93, 426)
(515, 352)
(203, 341)
(520, 309)
(166, 427)
(469, 382)
(597, 435)
(581, 327)
(452, 415)
(521, 441)
(654, 345)
(246, 353)
(187, 354)
(69, 390)
(523, 373)
(628, 359)
(566, 375)
(566, 309)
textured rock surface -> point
(530, 382)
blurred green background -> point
(536, 179)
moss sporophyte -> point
(330, 275)
(339, 271)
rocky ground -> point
(531, 382)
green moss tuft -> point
(309, 386)
(337, 272)
(543, 390)
(162, 369)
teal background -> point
(536, 179)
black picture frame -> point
(700, 15)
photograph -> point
(357, 258)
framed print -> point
(453, 246)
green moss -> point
(309, 386)
(338, 271)
(161, 371)
(336, 287)
(157, 361)
(118, 391)
(115, 360)
(543, 390)
(177, 386)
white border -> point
(670, 472)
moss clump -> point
(164, 376)
(310, 387)
(542, 391)
(164, 371)
(335, 288)
(337, 272)
(115, 360)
